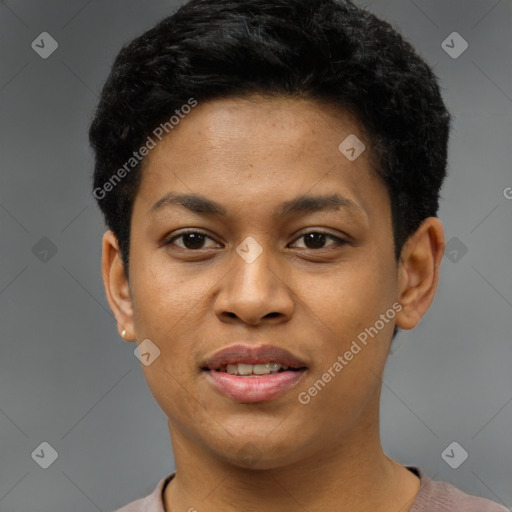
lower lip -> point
(254, 388)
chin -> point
(263, 454)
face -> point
(311, 280)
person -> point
(269, 172)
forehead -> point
(258, 147)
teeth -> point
(255, 369)
(245, 369)
(232, 369)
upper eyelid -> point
(169, 238)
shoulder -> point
(152, 502)
(436, 496)
(135, 506)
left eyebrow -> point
(299, 205)
(312, 204)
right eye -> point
(192, 240)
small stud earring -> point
(123, 334)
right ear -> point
(116, 285)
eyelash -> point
(339, 241)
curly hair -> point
(326, 50)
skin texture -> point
(250, 155)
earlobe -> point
(116, 285)
(418, 272)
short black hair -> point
(326, 50)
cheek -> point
(345, 386)
(350, 308)
(164, 296)
(354, 294)
(172, 391)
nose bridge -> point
(252, 266)
(253, 288)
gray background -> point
(67, 378)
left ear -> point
(418, 272)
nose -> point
(254, 291)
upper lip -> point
(249, 354)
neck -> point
(353, 474)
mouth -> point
(249, 374)
(254, 370)
(246, 359)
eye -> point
(316, 239)
(192, 240)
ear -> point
(418, 272)
(116, 285)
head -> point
(250, 105)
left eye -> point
(316, 238)
(193, 240)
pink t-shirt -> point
(433, 496)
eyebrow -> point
(299, 205)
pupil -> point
(318, 240)
(197, 238)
